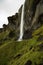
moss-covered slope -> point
(27, 52)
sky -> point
(8, 8)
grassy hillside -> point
(27, 52)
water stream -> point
(22, 24)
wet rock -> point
(33, 19)
(40, 19)
(27, 34)
(30, 9)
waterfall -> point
(21, 24)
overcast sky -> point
(8, 8)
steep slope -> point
(33, 19)
(27, 52)
(30, 50)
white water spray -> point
(22, 24)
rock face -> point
(14, 23)
(26, 52)
(33, 19)
(33, 16)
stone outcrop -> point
(33, 19)
(30, 50)
(33, 16)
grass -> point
(38, 31)
(3, 34)
(18, 53)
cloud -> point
(8, 8)
(3, 18)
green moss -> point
(18, 53)
(39, 31)
(4, 34)
(27, 50)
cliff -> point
(30, 50)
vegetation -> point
(27, 52)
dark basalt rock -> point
(40, 19)
(27, 34)
(33, 19)
(30, 8)
(14, 24)
(13, 21)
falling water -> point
(21, 24)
